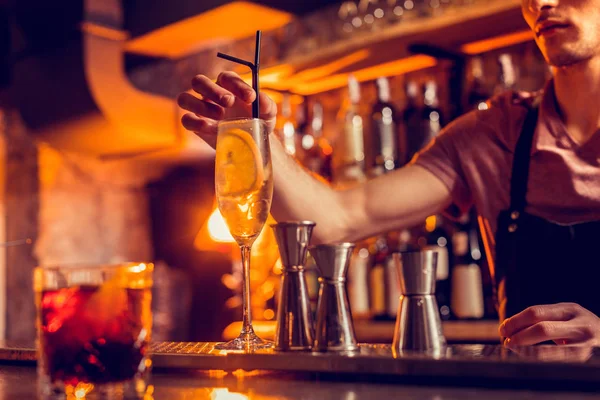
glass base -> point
(134, 389)
(246, 342)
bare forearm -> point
(300, 196)
(394, 201)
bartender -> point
(530, 164)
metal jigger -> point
(335, 330)
(418, 324)
(295, 329)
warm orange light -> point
(236, 20)
(216, 373)
(213, 236)
(277, 97)
(217, 228)
(391, 68)
(431, 223)
(481, 46)
(283, 77)
(240, 373)
(290, 82)
(149, 395)
(327, 149)
(269, 314)
(272, 74)
(80, 391)
(278, 267)
(264, 329)
(225, 394)
(332, 67)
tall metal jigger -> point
(418, 323)
(334, 329)
(295, 329)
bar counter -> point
(197, 371)
(18, 382)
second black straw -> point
(255, 68)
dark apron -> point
(537, 261)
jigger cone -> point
(418, 323)
(334, 329)
(295, 331)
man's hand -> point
(229, 97)
(563, 323)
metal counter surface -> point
(553, 364)
(19, 382)
(545, 365)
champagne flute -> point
(244, 189)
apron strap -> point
(520, 169)
(506, 262)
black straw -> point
(236, 60)
(254, 67)
(255, 83)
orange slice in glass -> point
(238, 164)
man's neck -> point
(577, 89)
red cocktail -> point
(94, 327)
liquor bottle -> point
(348, 170)
(285, 126)
(411, 120)
(311, 272)
(467, 300)
(379, 254)
(479, 255)
(507, 78)
(432, 234)
(384, 132)
(438, 240)
(349, 154)
(384, 291)
(358, 282)
(477, 96)
(316, 150)
(431, 116)
(388, 246)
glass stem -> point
(246, 306)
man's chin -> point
(565, 54)
(564, 60)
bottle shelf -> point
(469, 29)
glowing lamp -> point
(217, 228)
